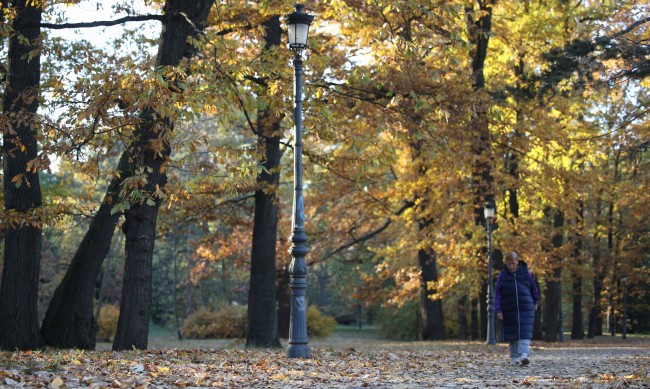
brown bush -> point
(107, 322)
(229, 321)
(318, 325)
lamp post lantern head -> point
(490, 209)
(298, 28)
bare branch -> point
(99, 23)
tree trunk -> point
(577, 325)
(22, 250)
(482, 177)
(140, 220)
(553, 301)
(433, 327)
(262, 314)
(595, 318)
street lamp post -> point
(489, 211)
(624, 279)
(298, 28)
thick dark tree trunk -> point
(433, 327)
(262, 314)
(69, 321)
(22, 250)
(553, 300)
(140, 220)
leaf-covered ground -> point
(339, 362)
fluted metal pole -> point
(491, 338)
(298, 342)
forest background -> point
(154, 172)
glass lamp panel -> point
(291, 30)
(302, 30)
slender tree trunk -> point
(262, 314)
(22, 250)
(553, 301)
(611, 313)
(433, 327)
(595, 314)
(595, 318)
(577, 325)
(140, 220)
(479, 34)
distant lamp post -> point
(624, 279)
(298, 27)
(489, 211)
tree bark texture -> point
(262, 313)
(140, 220)
(22, 250)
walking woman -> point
(516, 300)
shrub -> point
(318, 325)
(401, 323)
(228, 322)
(107, 322)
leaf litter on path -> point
(397, 365)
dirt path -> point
(345, 360)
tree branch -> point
(99, 23)
(367, 236)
